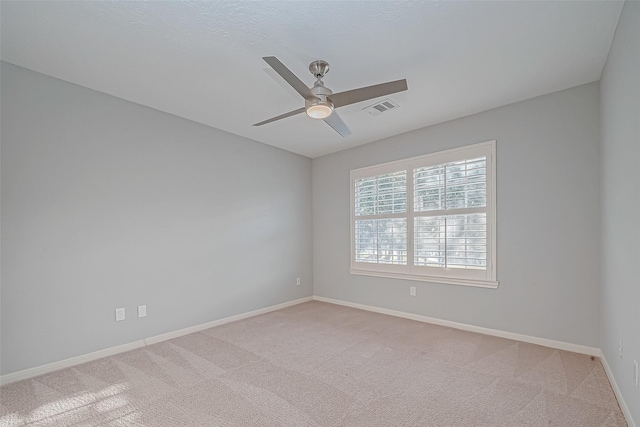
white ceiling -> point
(202, 60)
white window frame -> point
(480, 278)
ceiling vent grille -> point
(380, 107)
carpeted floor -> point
(318, 364)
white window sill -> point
(446, 280)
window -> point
(428, 218)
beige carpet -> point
(318, 364)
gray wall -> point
(548, 226)
(109, 204)
(620, 112)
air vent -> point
(380, 107)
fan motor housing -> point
(322, 107)
(320, 90)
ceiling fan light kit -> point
(319, 110)
(320, 102)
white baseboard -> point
(198, 328)
(67, 363)
(73, 361)
(616, 391)
(576, 348)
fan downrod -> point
(319, 68)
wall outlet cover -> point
(620, 346)
(120, 314)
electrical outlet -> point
(142, 311)
(620, 346)
(298, 281)
(119, 314)
(635, 372)
(412, 291)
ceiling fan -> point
(320, 102)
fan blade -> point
(289, 77)
(348, 97)
(337, 124)
(281, 116)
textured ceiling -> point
(202, 60)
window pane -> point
(467, 241)
(392, 241)
(392, 193)
(382, 194)
(365, 196)
(429, 243)
(381, 241)
(466, 185)
(366, 240)
(428, 188)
